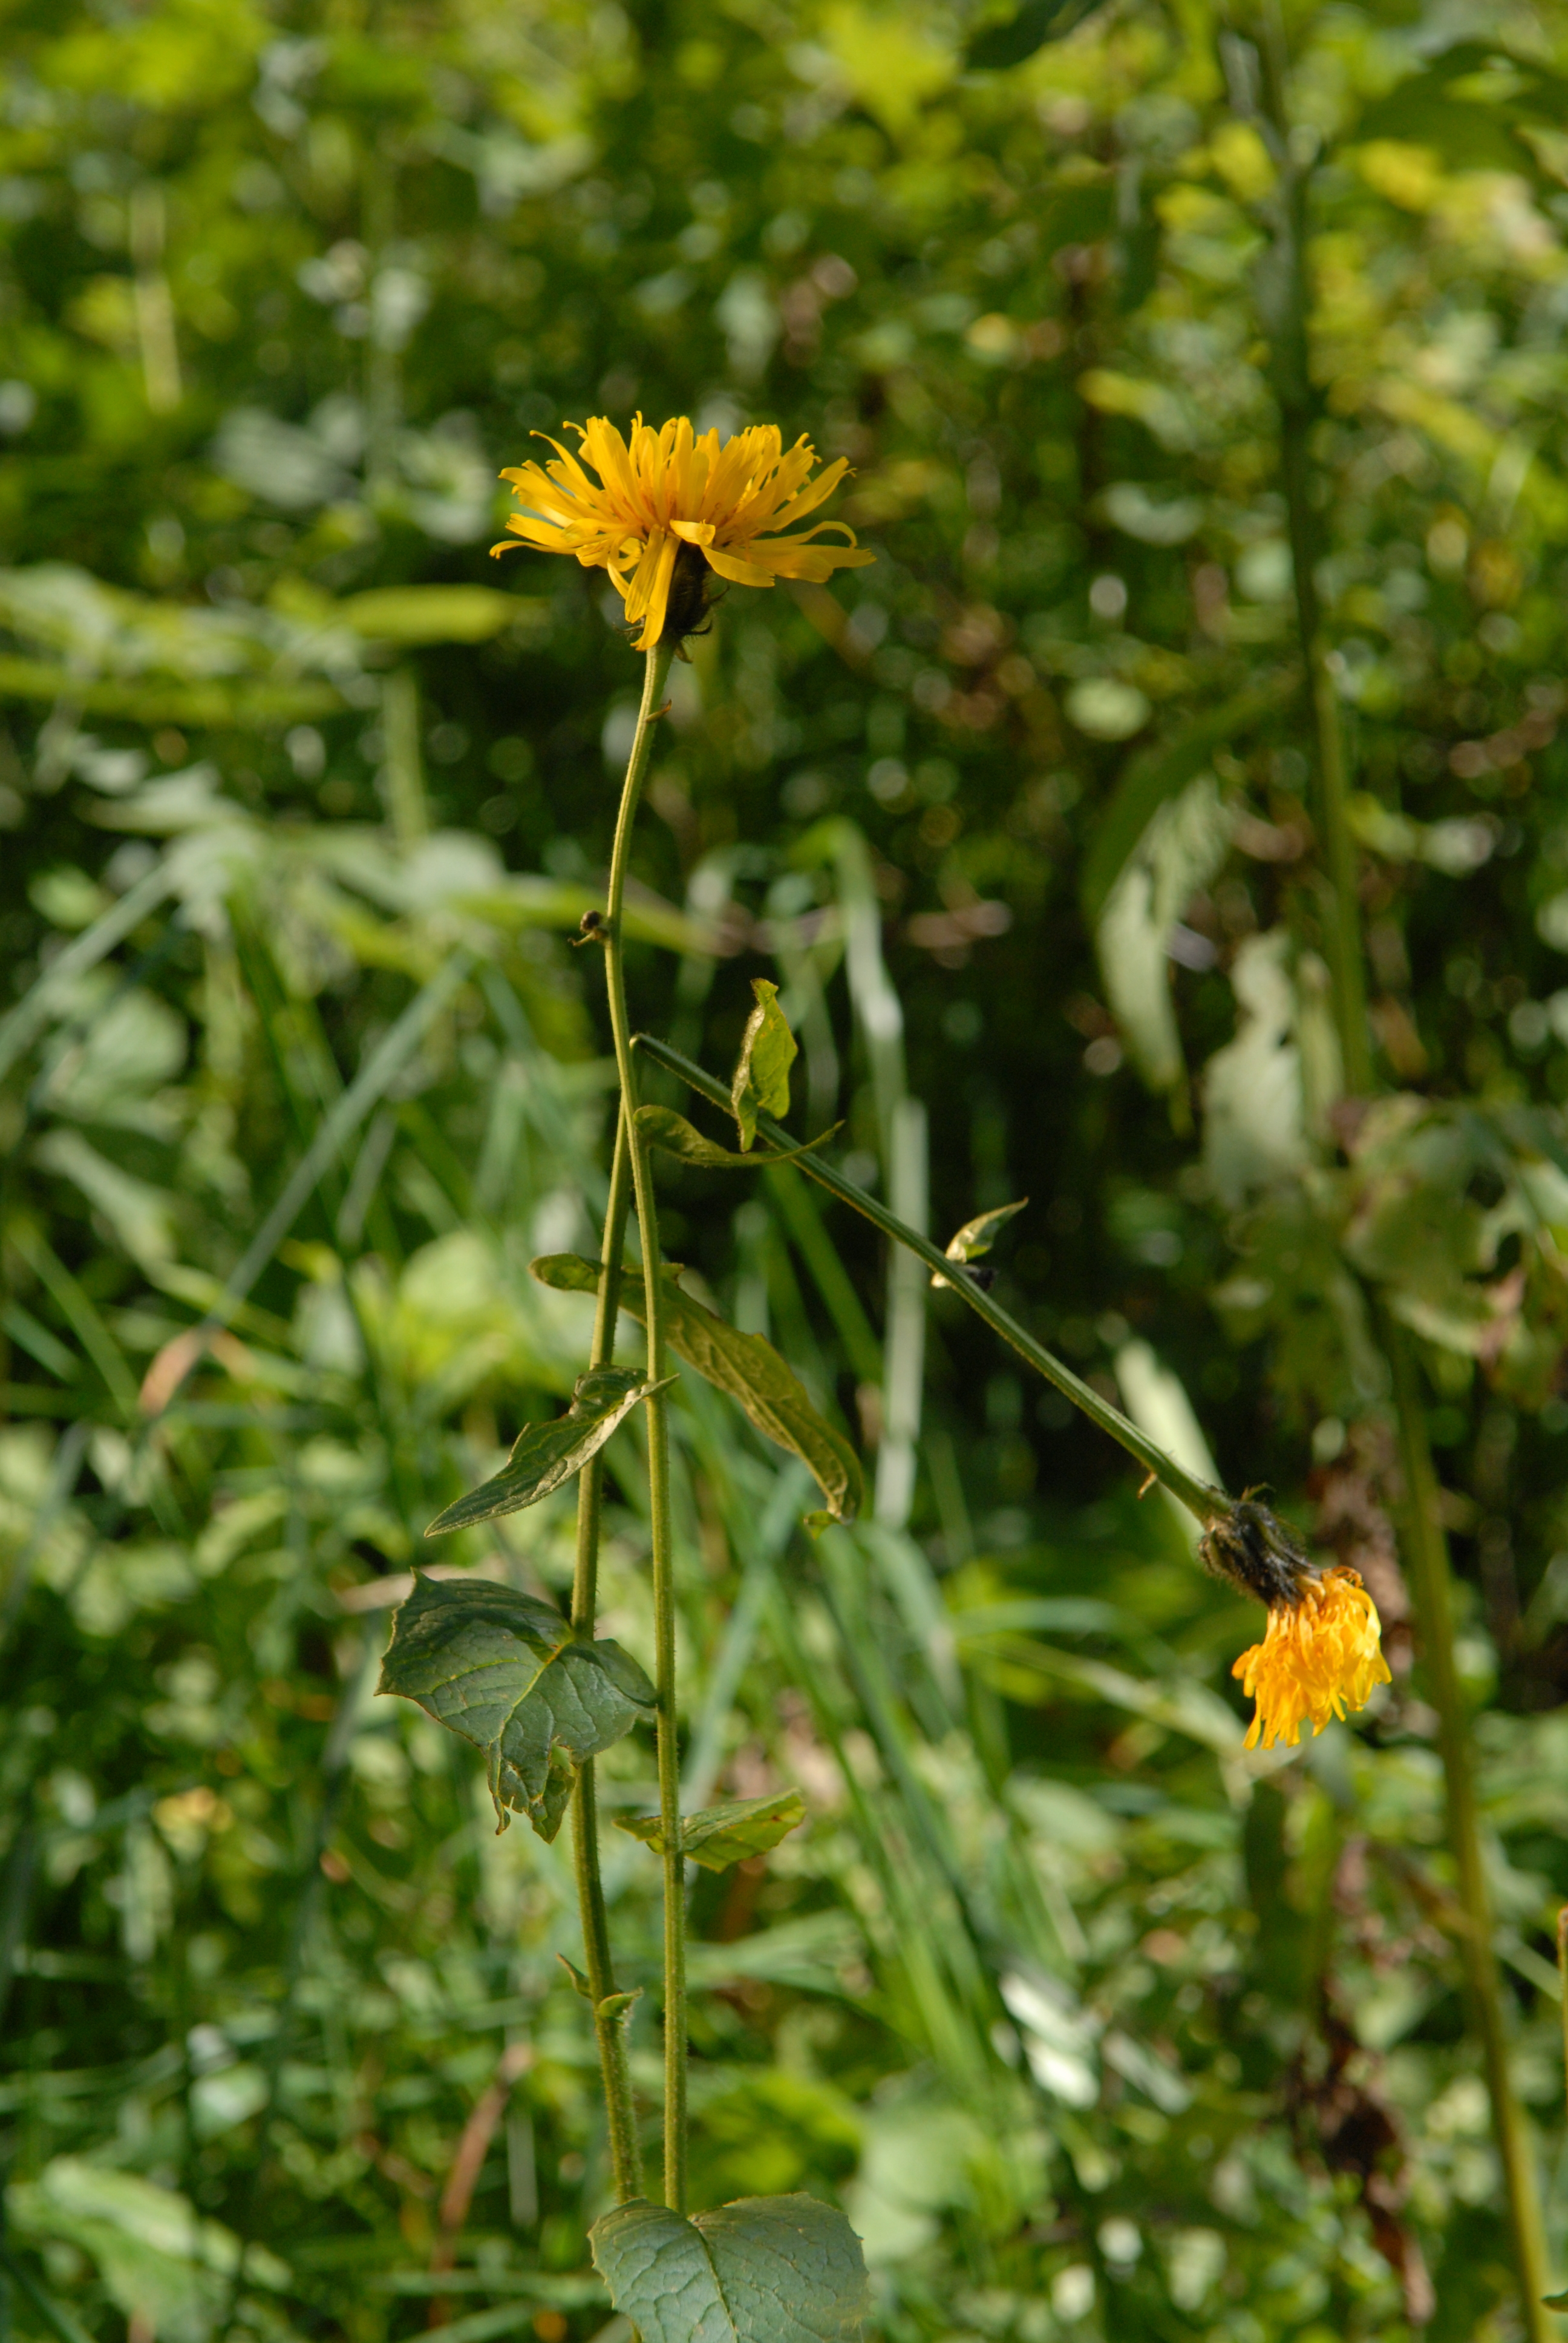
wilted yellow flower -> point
(673, 506)
(1320, 1657)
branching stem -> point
(1206, 1504)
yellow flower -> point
(1320, 1657)
(673, 506)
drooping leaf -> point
(507, 1673)
(1183, 848)
(978, 1236)
(767, 1050)
(996, 46)
(765, 2269)
(747, 1366)
(664, 1129)
(546, 1454)
(1156, 774)
(726, 1833)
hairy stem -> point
(625, 2153)
(1205, 1504)
(654, 678)
(1426, 1545)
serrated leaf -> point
(747, 1366)
(977, 1236)
(544, 1455)
(765, 2269)
(767, 1050)
(719, 1835)
(507, 1673)
(997, 47)
(664, 1129)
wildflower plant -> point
(542, 1694)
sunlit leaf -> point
(978, 1236)
(747, 1366)
(671, 1133)
(767, 1050)
(765, 2269)
(543, 1455)
(507, 1674)
(726, 1833)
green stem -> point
(1205, 1504)
(610, 2023)
(1291, 308)
(1426, 1544)
(656, 675)
(1426, 1551)
(1563, 1982)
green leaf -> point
(507, 1673)
(546, 1454)
(663, 1127)
(765, 2269)
(429, 614)
(978, 1236)
(997, 47)
(1556, 2301)
(726, 1833)
(1469, 130)
(1156, 774)
(157, 2257)
(767, 1050)
(747, 1366)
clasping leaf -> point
(765, 2269)
(663, 1127)
(767, 1050)
(977, 1236)
(726, 1833)
(546, 1454)
(507, 1673)
(747, 1366)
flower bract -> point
(1320, 1657)
(676, 489)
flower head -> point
(673, 506)
(1320, 1657)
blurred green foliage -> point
(1096, 2027)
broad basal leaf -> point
(726, 1833)
(546, 1454)
(765, 2269)
(767, 1050)
(508, 1674)
(977, 1236)
(663, 1127)
(744, 1365)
